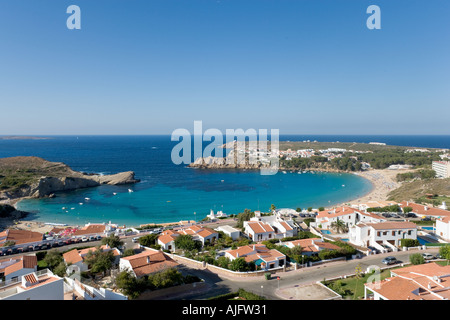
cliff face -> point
(34, 177)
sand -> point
(383, 181)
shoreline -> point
(383, 181)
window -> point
(393, 233)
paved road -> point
(221, 285)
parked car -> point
(427, 256)
(426, 219)
(92, 238)
(36, 247)
(387, 248)
(389, 260)
(135, 239)
(98, 238)
(410, 215)
(438, 256)
(84, 239)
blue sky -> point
(149, 67)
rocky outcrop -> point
(44, 178)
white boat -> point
(284, 172)
(87, 199)
(114, 193)
(343, 185)
(129, 190)
(81, 203)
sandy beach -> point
(383, 181)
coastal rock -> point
(44, 178)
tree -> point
(339, 226)
(129, 285)
(53, 258)
(321, 209)
(112, 241)
(244, 216)
(407, 210)
(310, 209)
(99, 261)
(416, 258)
(167, 278)
(148, 240)
(60, 269)
(223, 262)
(272, 207)
(187, 243)
(128, 252)
(238, 264)
(444, 251)
(298, 209)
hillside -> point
(35, 177)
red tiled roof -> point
(260, 227)
(420, 209)
(150, 261)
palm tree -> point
(339, 226)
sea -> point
(169, 192)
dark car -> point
(389, 260)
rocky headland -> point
(34, 177)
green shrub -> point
(416, 259)
(409, 243)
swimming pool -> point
(429, 228)
(325, 231)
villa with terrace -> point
(382, 235)
(258, 253)
(348, 215)
(311, 246)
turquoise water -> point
(161, 203)
(428, 228)
(325, 231)
(168, 192)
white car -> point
(135, 239)
(427, 256)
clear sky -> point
(149, 67)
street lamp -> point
(262, 290)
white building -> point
(229, 231)
(258, 253)
(258, 231)
(442, 168)
(40, 285)
(443, 228)
(17, 266)
(383, 233)
(77, 257)
(349, 216)
(282, 226)
(205, 235)
(147, 262)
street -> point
(218, 285)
